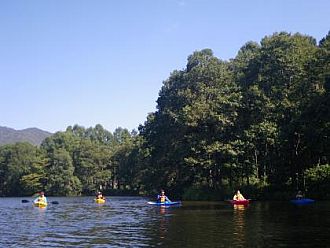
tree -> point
(18, 163)
(60, 174)
(190, 135)
(92, 165)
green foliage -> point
(205, 194)
(17, 162)
(32, 183)
(318, 181)
(197, 109)
(91, 165)
(244, 123)
(60, 170)
(76, 161)
(259, 123)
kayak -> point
(303, 201)
(165, 203)
(239, 202)
(100, 201)
(40, 204)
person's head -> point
(162, 192)
(99, 193)
(238, 192)
(42, 193)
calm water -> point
(130, 222)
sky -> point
(67, 62)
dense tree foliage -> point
(77, 161)
(259, 122)
(21, 169)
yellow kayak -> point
(40, 204)
(100, 200)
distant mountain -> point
(32, 135)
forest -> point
(259, 122)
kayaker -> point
(299, 195)
(238, 196)
(162, 197)
(41, 198)
(99, 195)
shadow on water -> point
(131, 222)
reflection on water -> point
(130, 222)
(239, 224)
(163, 222)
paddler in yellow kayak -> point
(99, 198)
(238, 196)
(41, 199)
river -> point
(131, 222)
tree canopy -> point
(258, 122)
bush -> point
(318, 181)
(203, 194)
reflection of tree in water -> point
(239, 224)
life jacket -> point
(162, 198)
(42, 199)
(240, 197)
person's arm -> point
(166, 198)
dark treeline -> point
(259, 122)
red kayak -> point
(239, 202)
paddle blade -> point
(35, 195)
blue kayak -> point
(165, 203)
(303, 201)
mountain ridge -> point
(31, 135)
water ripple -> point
(130, 222)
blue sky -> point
(66, 62)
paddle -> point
(33, 196)
(52, 202)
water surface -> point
(130, 222)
